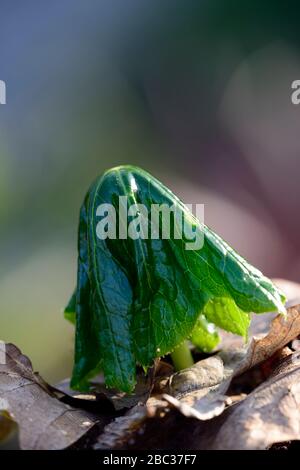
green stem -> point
(182, 356)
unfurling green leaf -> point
(139, 297)
(227, 315)
(205, 335)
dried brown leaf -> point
(205, 398)
(44, 421)
(269, 415)
(122, 431)
(282, 331)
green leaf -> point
(224, 313)
(138, 299)
(205, 335)
(88, 354)
(70, 310)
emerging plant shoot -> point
(141, 292)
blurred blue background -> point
(196, 92)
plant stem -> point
(182, 356)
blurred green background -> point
(196, 92)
